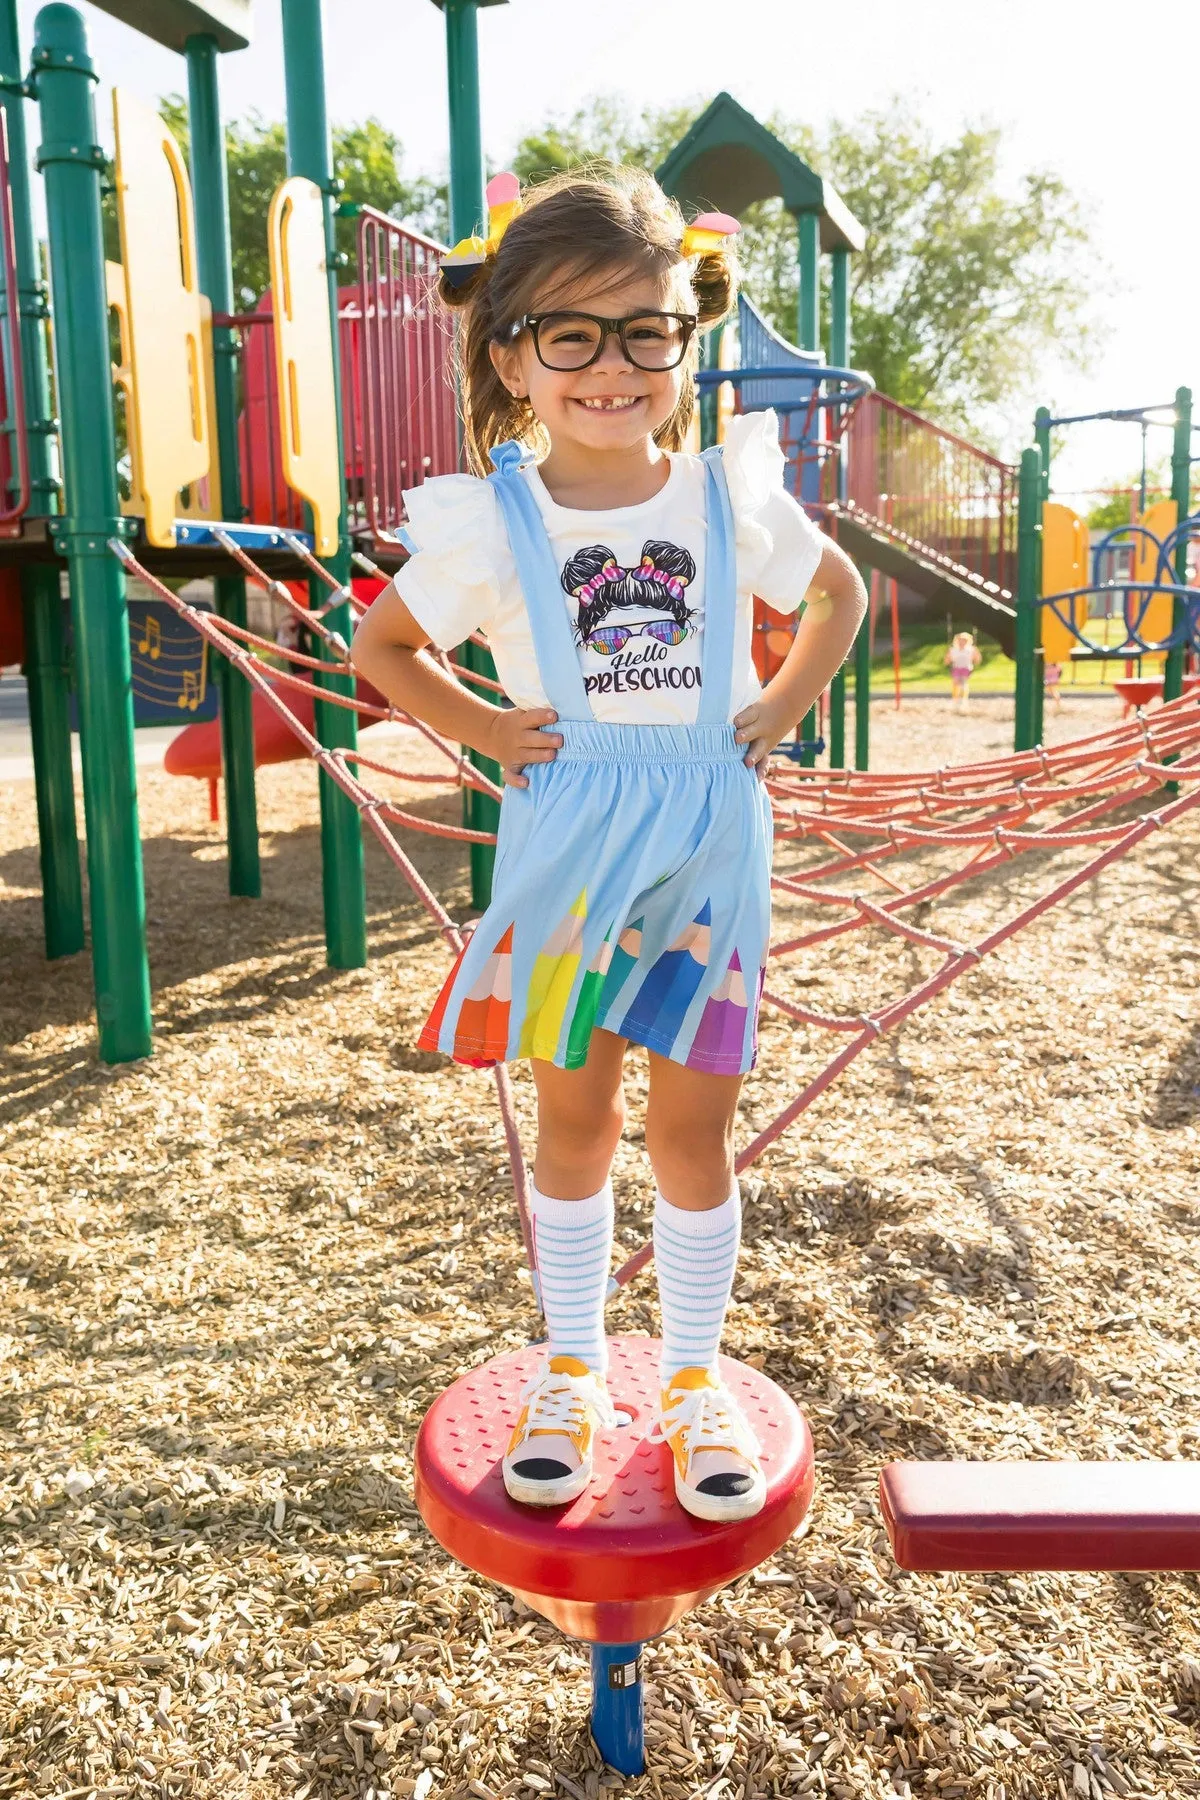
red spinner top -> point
(624, 1561)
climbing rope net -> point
(856, 846)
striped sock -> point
(572, 1242)
(695, 1254)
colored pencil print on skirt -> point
(717, 1045)
(670, 985)
(481, 1034)
(551, 984)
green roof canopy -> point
(727, 160)
(173, 22)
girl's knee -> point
(570, 1120)
(698, 1143)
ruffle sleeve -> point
(778, 547)
(451, 581)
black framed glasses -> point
(567, 341)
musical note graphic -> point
(192, 693)
(150, 641)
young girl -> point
(613, 576)
(964, 657)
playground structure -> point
(298, 401)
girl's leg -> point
(580, 1116)
(697, 1232)
(581, 1113)
(697, 1211)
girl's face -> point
(612, 405)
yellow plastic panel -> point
(123, 379)
(308, 421)
(204, 496)
(1155, 624)
(158, 250)
(1064, 566)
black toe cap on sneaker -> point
(725, 1487)
(544, 1468)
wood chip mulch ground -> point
(235, 1275)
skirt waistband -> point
(590, 740)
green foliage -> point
(366, 159)
(1118, 507)
(963, 288)
(1114, 510)
(603, 133)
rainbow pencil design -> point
(671, 984)
(583, 1019)
(481, 1036)
(550, 984)
(432, 1028)
(717, 1045)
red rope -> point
(986, 811)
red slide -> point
(197, 749)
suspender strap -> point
(720, 596)
(557, 660)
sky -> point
(1080, 86)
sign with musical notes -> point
(170, 665)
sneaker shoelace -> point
(559, 1403)
(709, 1419)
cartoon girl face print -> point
(634, 625)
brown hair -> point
(576, 224)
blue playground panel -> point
(173, 676)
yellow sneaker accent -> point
(565, 1404)
(697, 1413)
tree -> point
(366, 159)
(962, 291)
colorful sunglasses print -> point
(608, 639)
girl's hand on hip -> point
(516, 739)
(760, 726)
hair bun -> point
(714, 282)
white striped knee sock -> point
(572, 1241)
(695, 1254)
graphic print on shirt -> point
(633, 626)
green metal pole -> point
(839, 357)
(839, 309)
(1041, 437)
(71, 161)
(210, 187)
(1041, 433)
(1029, 572)
(809, 726)
(310, 153)
(837, 721)
(46, 672)
(808, 225)
(710, 403)
(1181, 489)
(467, 204)
(468, 215)
(862, 685)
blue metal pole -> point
(617, 1723)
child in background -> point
(1052, 676)
(964, 657)
(613, 576)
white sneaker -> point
(703, 1426)
(564, 1406)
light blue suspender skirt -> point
(632, 879)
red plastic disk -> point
(624, 1561)
(993, 1516)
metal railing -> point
(405, 370)
(930, 490)
(266, 497)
